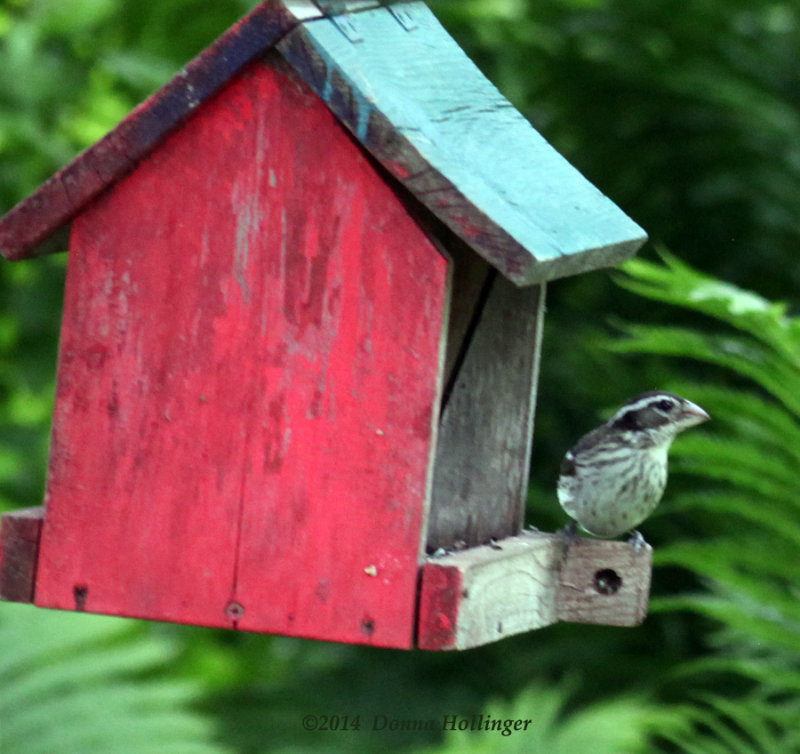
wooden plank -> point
(336, 7)
(20, 531)
(249, 367)
(31, 222)
(486, 427)
(605, 582)
(425, 111)
(430, 121)
(484, 594)
(469, 277)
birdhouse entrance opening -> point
(488, 398)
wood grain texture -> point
(413, 98)
(20, 531)
(336, 7)
(469, 279)
(26, 227)
(424, 110)
(484, 594)
(605, 582)
(249, 362)
(486, 427)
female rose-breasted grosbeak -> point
(613, 477)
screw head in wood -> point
(234, 610)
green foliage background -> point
(685, 112)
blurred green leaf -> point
(614, 726)
(745, 476)
(80, 683)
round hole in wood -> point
(607, 581)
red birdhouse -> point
(300, 343)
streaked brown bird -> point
(613, 478)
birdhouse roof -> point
(409, 94)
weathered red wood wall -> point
(248, 375)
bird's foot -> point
(570, 533)
(637, 541)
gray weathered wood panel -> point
(485, 434)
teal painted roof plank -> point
(415, 100)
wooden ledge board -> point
(522, 583)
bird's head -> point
(657, 417)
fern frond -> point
(748, 620)
(751, 724)
(678, 284)
(736, 511)
(615, 726)
(736, 462)
(765, 423)
(78, 684)
(746, 464)
(738, 354)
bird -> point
(613, 477)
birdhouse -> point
(300, 347)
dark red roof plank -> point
(65, 194)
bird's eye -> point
(665, 405)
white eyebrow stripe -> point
(642, 403)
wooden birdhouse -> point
(299, 349)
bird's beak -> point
(692, 414)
